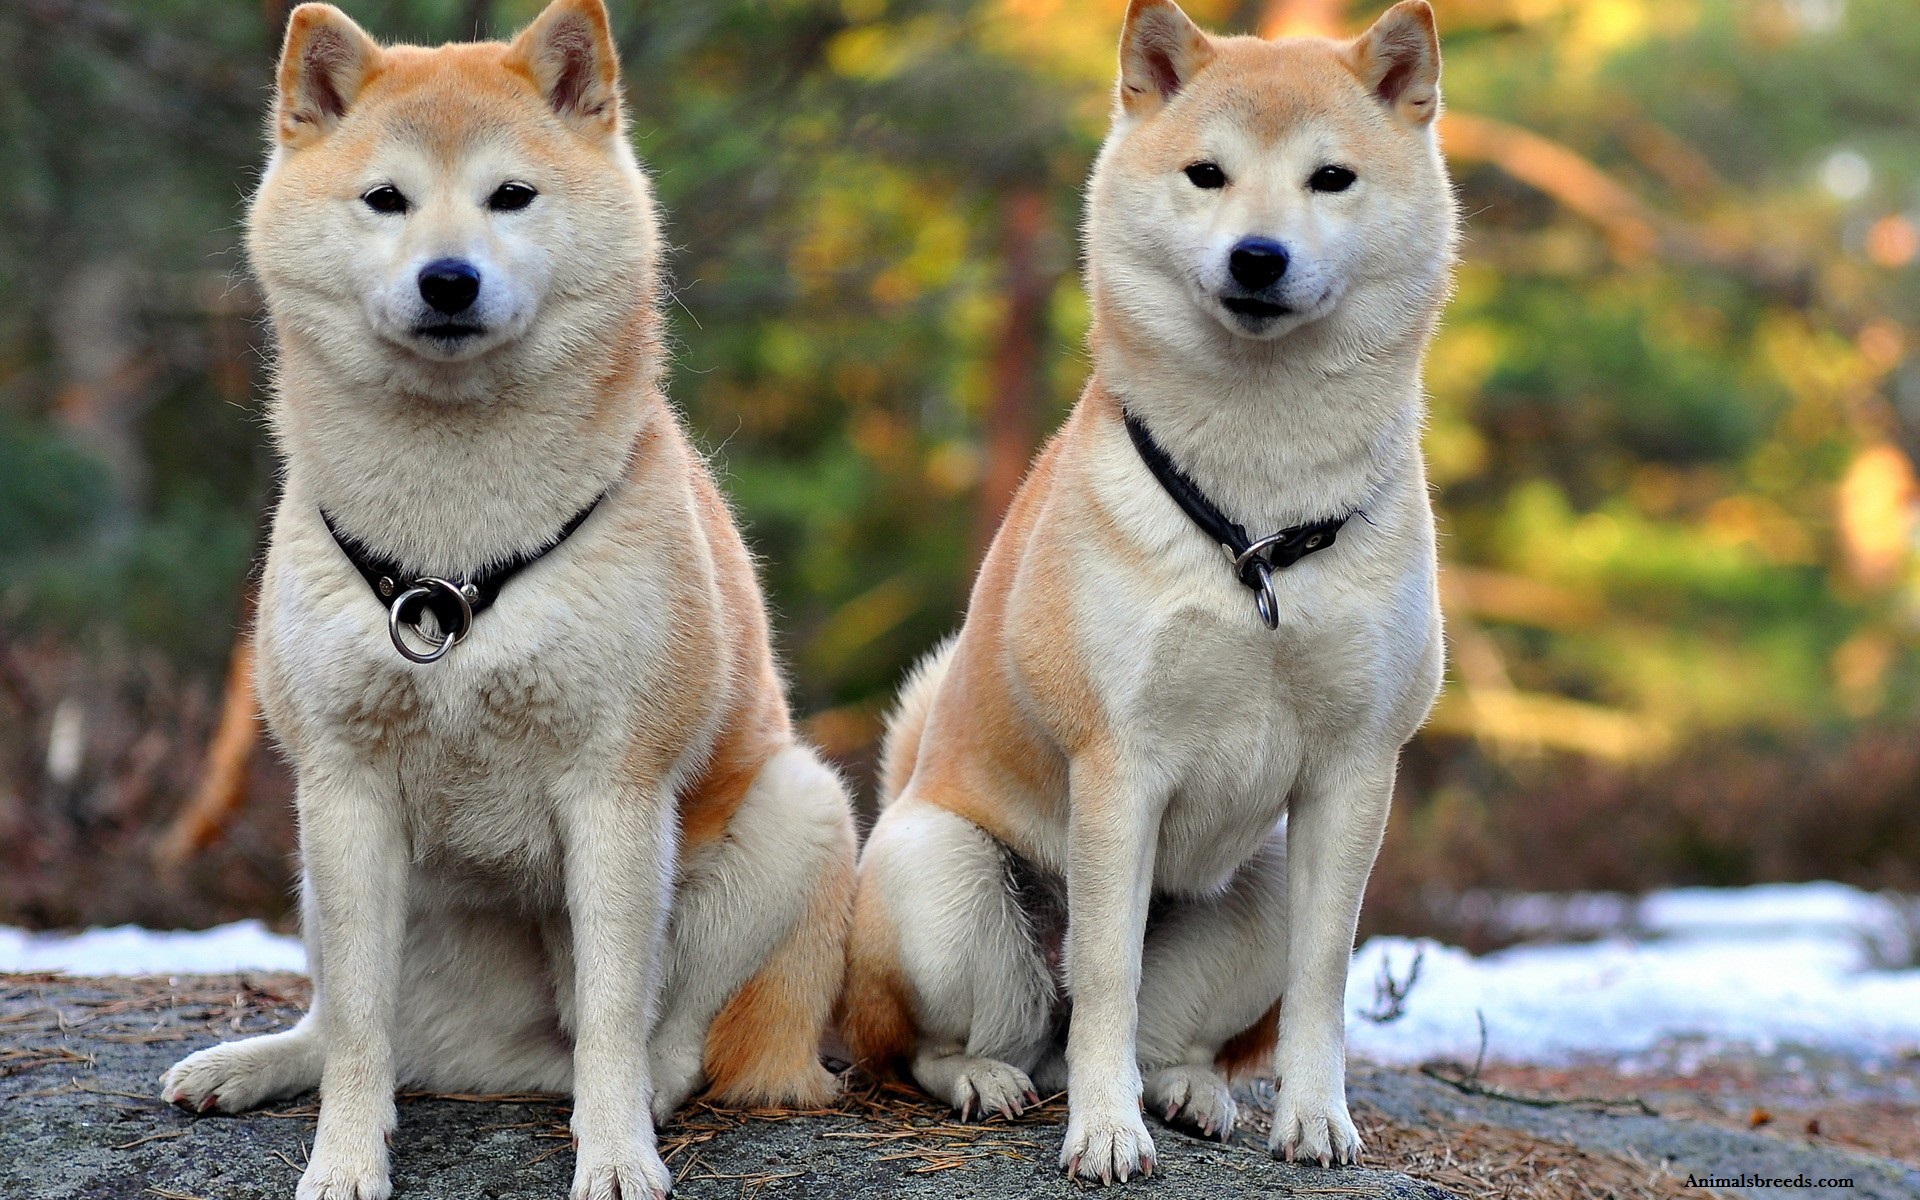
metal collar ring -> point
(1266, 601)
(421, 591)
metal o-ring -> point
(1266, 603)
(422, 589)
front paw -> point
(635, 1174)
(335, 1176)
(1106, 1143)
(1312, 1125)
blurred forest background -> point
(1676, 408)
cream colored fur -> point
(563, 857)
(1114, 732)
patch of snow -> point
(1759, 967)
(1756, 967)
(1834, 910)
(131, 950)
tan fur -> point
(875, 1015)
(764, 1046)
(591, 818)
(1248, 1052)
(1112, 716)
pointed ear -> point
(325, 62)
(1161, 50)
(1399, 61)
(568, 52)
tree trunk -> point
(1016, 361)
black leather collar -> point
(454, 603)
(1254, 562)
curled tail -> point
(901, 746)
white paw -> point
(1193, 1095)
(346, 1177)
(1310, 1127)
(231, 1077)
(637, 1174)
(988, 1085)
(1106, 1145)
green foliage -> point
(1661, 439)
(49, 492)
(1607, 376)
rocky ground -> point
(79, 1060)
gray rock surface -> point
(78, 1121)
(1691, 1148)
(79, 1062)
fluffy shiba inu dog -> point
(582, 851)
(1135, 801)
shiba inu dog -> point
(1134, 802)
(581, 850)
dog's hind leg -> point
(982, 993)
(476, 1014)
(1210, 983)
(235, 1076)
(757, 944)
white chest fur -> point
(1221, 715)
(474, 746)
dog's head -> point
(429, 215)
(1263, 186)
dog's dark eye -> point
(511, 197)
(1331, 179)
(385, 199)
(1206, 175)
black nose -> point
(450, 285)
(1256, 263)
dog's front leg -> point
(1112, 833)
(353, 846)
(618, 839)
(1335, 821)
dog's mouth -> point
(449, 333)
(1252, 308)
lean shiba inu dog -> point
(582, 851)
(1117, 777)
